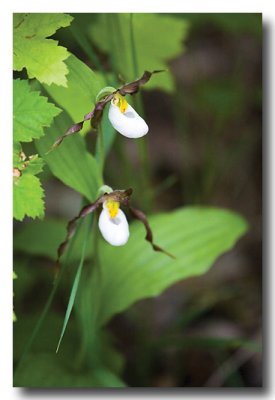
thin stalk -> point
(133, 46)
(114, 27)
(94, 358)
(142, 145)
(100, 150)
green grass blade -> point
(49, 301)
(75, 284)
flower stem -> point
(142, 145)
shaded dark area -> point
(205, 145)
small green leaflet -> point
(30, 165)
(42, 57)
(27, 197)
(31, 112)
(17, 160)
(34, 166)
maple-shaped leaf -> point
(27, 197)
(31, 112)
(42, 57)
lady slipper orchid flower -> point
(125, 119)
(121, 115)
(113, 224)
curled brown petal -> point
(133, 87)
(149, 234)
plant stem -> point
(100, 150)
(142, 145)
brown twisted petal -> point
(149, 234)
(133, 87)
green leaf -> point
(42, 57)
(196, 236)
(46, 370)
(31, 112)
(157, 39)
(40, 238)
(27, 197)
(78, 98)
(71, 162)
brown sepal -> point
(133, 87)
(149, 234)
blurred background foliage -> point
(205, 148)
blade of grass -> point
(49, 301)
(75, 283)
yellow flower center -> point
(120, 102)
(112, 207)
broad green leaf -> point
(42, 57)
(42, 238)
(78, 98)
(31, 112)
(157, 40)
(195, 236)
(71, 162)
(27, 197)
(45, 370)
